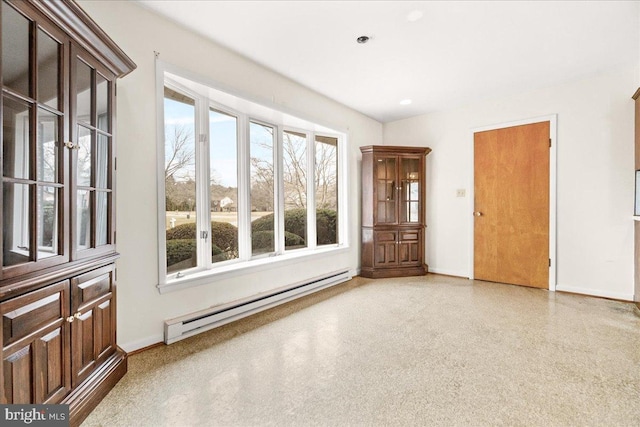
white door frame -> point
(553, 122)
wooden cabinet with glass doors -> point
(57, 277)
(393, 189)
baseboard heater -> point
(186, 326)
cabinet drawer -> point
(27, 314)
(91, 286)
(385, 236)
(410, 236)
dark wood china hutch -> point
(393, 211)
(57, 279)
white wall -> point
(595, 184)
(141, 309)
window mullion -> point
(203, 213)
(244, 187)
(279, 191)
(342, 188)
(311, 192)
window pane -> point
(102, 161)
(47, 161)
(48, 69)
(294, 153)
(15, 224)
(84, 156)
(83, 92)
(102, 214)
(262, 188)
(47, 218)
(180, 184)
(15, 138)
(15, 50)
(223, 186)
(83, 219)
(326, 176)
(102, 103)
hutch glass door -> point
(386, 200)
(92, 201)
(410, 190)
(33, 163)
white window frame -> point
(207, 271)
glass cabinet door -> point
(33, 114)
(409, 190)
(385, 175)
(92, 161)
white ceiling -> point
(458, 52)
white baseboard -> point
(595, 292)
(138, 344)
(446, 272)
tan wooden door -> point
(511, 229)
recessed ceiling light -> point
(405, 102)
(414, 15)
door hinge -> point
(203, 137)
(204, 234)
(549, 142)
(549, 262)
(115, 164)
(114, 237)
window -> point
(262, 188)
(240, 188)
(326, 188)
(223, 185)
(294, 154)
(179, 181)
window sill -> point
(241, 268)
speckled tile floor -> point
(434, 350)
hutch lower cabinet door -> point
(35, 343)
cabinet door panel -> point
(386, 248)
(37, 372)
(18, 376)
(105, 334)
(410, 248)
(36, 364)
(83, 346)
(49, 351)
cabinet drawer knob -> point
(70, 319)
(77, 315)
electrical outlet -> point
(461, 192)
